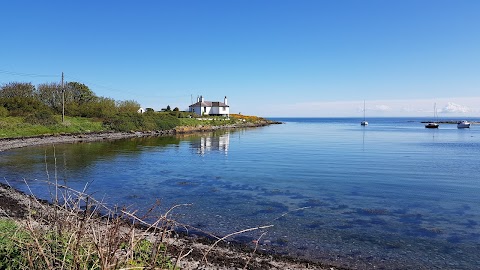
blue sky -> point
(271, 58)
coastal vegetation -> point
(75, 231)
(48, 109)
(78, 232)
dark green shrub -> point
(141, 122)
(124, 122)
(43, 117)
(22, 106)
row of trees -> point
(22, 99)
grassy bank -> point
(16, 126)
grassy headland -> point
(27, 110)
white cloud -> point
(455, 108)
(382, 108)
(375, 108)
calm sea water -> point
(392, 195)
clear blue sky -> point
(271, 58)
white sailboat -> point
(364, 122)
(433, 124)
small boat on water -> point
(364, 122)
(463, 124)
(433, 124)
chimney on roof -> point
(201, 98)
(198, 98)
(225, 100)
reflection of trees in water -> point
(33, 162)
(75, 157)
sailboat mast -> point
(363, 110)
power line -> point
(14, 73)
(116, 90)
(25, 74)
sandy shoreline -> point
(14, 204)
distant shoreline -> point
(449, 122)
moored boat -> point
(364, 122)
(463, 124)
(433, 124)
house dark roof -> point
(209, 104)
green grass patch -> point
(11, 252)
(12, 127)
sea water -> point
(390, 195)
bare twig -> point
(254, 250)
(232, 234)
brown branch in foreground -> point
(254, 250)
(232, 234)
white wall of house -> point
(201, 110)
(220, 110)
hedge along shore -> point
(15, 205)
(11, 143)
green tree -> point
(79, 99)
(104, 107)
(17, 89)
(79, 93)
(168, 108)
(20, 99)
(128, 106)
(176, 109)
(50, 94)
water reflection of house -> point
(212, 143)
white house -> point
(141, 110)
(214, 108)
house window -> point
(204, 109)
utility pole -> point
(63, 101)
